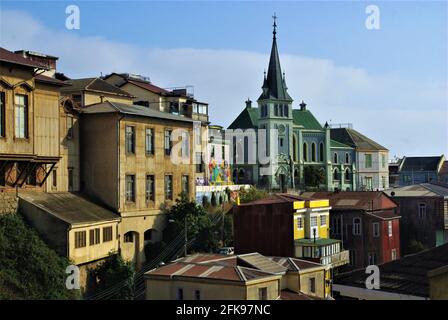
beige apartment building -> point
(127, 166)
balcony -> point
(337, 259)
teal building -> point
(294, 140)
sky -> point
(391, 83)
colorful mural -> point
(220, 174)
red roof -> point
(358, 200)
(147, 86)
(11, 57)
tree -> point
(251, 194)
(112, 271)
(29, 269)
(314, 176)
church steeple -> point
(274, 85)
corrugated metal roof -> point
(419, 190)
(262, 263)
(94, 84)
(129, 109)
(68, 207)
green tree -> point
(112, 271)
(251, 194)
(314, 176)
(29, 269)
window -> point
(149, 191)
(323, 220)
(356, 226)
(336, 174)
(197, 294)
(281, 142)
(54, 178)
(185, 145)
(94, 236)
(180, 294)
(2, 115)
(347, 176)
(130, 188)
(376, 229)
(21, 116)
(276, 110)
(422, 211)
(383, 182)
(389, 227)
(313, 221)
(383, 161)
(149, 141)
(305, 152)
(168, 142)
(69, 127)
(129, 237)
(168, 187)
(285, 110)
(199, 163)
(130, 139)
(107, 234)
(313, 152)
(347, 158)
(263, 293)
(300, 223)
(368, 161)
(394, 254)
(70, 179)
(368, 183)
(336, 222)
(335, 158)
(312, 285)
(185, 185)
(321, 151)
(80, 239)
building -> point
(420, 276)
(74, 227)
(424, 215)
(176, 101)
(29, 123)
(367, 223)
(443, 173)
(371, 159)
(129, 165)
(274, 145)
(394, 176)
(415, 170)
(249, 276)
(289, 226)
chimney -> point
(248, 103)
(303, 106)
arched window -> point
(294, 147)
(347, 175)
(336, 174)
(305, 152)
(321, 151)
(285, 110)
(276, 110)
(347, 158)
(335, 158)
(313, 152)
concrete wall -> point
(8, 202)
(438, 284)
(376, 172)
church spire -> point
(274, 85)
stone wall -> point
(8, 202)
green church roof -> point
(306, 119)
(248, 118)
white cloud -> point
(406, 115)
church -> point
(299, 147)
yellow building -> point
(127, 166)
(288, 225)
(29, 117)
(240, 277)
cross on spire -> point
(275, 24)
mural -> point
(220, 174)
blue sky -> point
(319, 43)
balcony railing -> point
(337, 259)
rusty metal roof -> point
(69, 207)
